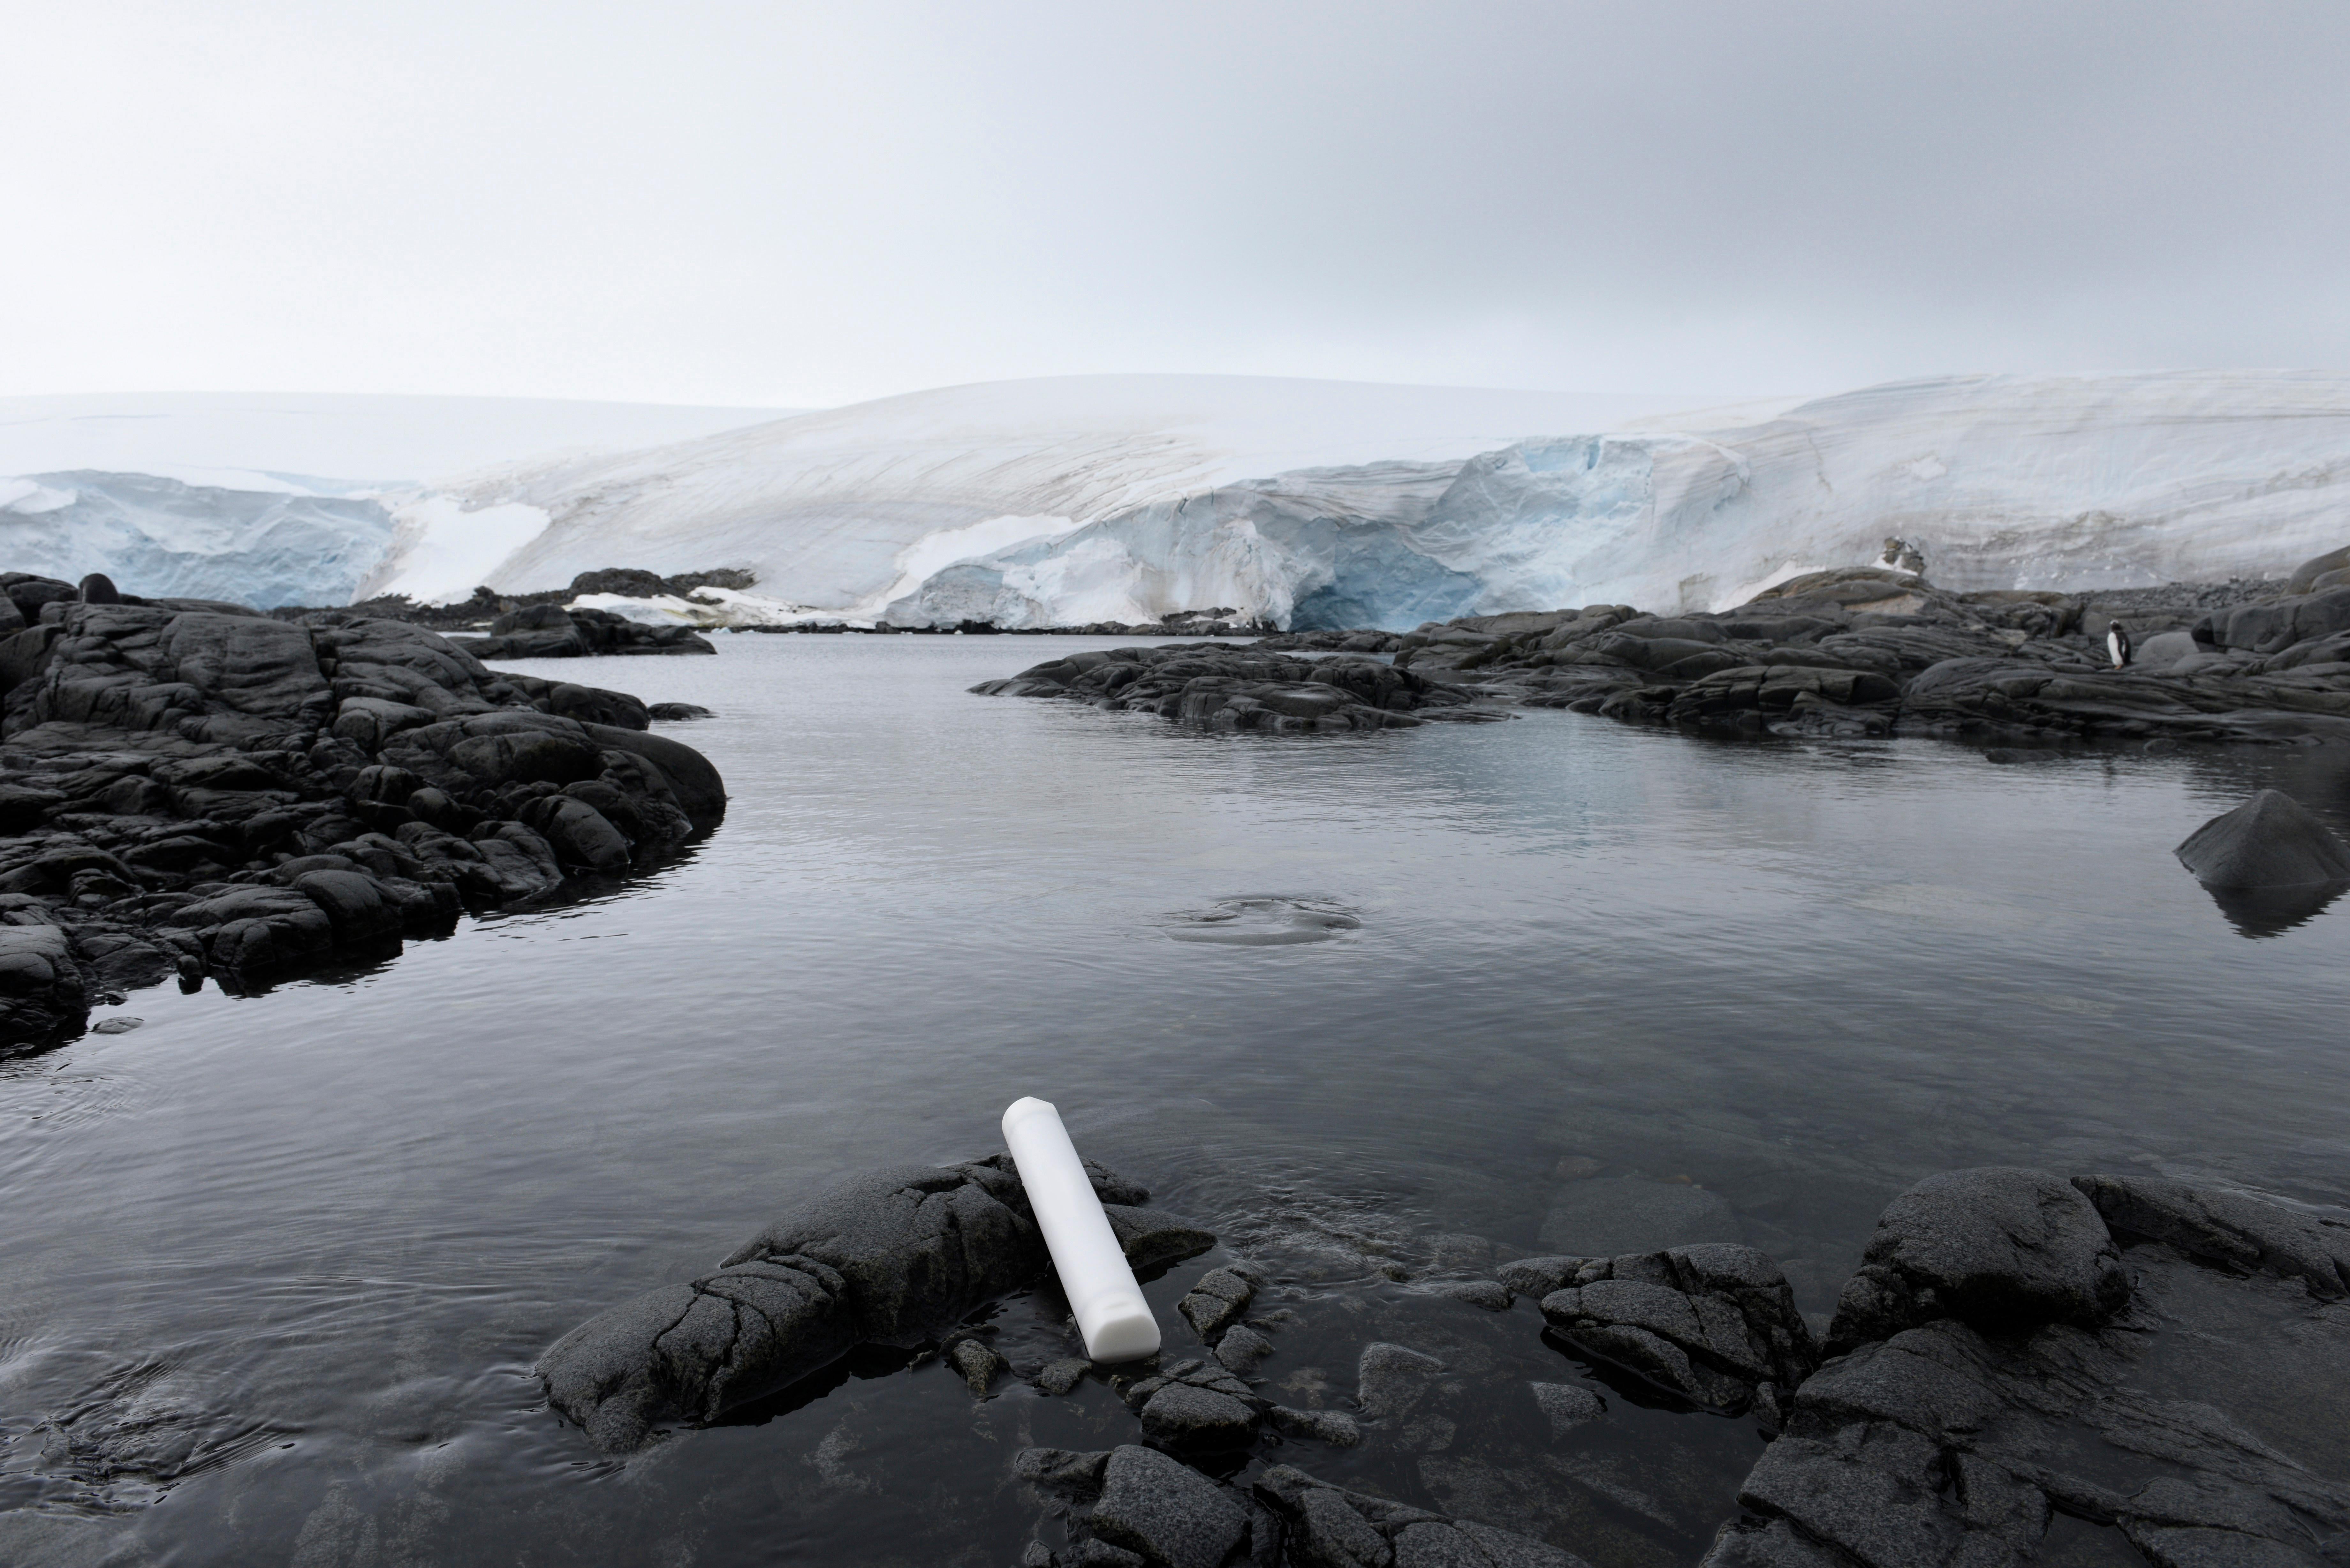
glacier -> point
(2051, 483)
(1079, 500)
(165, 538)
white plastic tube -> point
(1111, 1314)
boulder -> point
(1165, 1512)
(2001, 1248)
(2269, 841)
(896, 1257)
(1345, 1529)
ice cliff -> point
(165, 538)
(2005, 481)
(1089, 498)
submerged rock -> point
(2269, 841)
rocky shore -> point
(2018, 1357)
(1216, 686)
(190, 789)
(1880, 652)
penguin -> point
(98, 588)
(2117, 643)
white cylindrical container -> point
(1111, 1314)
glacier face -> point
(830, 510)
(2004, 481)
(162, 538)
(1309, 503)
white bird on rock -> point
(2117, 643)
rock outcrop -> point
(551, 631)
(895, 1257)
(198, 789)
(1218, 686)
(1871, 651)
(2038, 1362)
(2269, 841)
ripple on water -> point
(1264, 920)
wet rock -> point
(2269, 841)
(1242, 1348)
(1491, 1295)
(1169, 1513)
(1715, 1324)
(1152, 1239)
(1331, 1527)
(1942, 1444)
(892, 1257)
(677, 713)
(1216, 1303)
(1392, 1379)
(1062, 1471)
(1567, 1405)
(1180, 1415)
(1537, 1277)
(1627, 1214)
(2003, 1248)
(977, 1362)
(1060, 1376)
(41, 992)
(2233, 1230)
(1335, 1428)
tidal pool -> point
(276, 1268)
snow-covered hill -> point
(317, 443)
(847, 509)
(1124, 498)
(275, 498)
(2004, 481)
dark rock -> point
(354, 904)
(674, 713)
(1715, 1324)
(1335, 1428)
(1241, 1348)
(1489, 1294)
(1216, 1303)
(1061, 1471)
(1334, 1528)
(2269, 841)
(1537, 1277)
(1151, 1240)
(580, 836)
(893, 1257)
(1181, 1415)
(41, 992)
(1171, 1514)
(1217, 686)
(1391, 1380)
(1060, 1376)
(550, 631)
(1567, 1405)
(2233, 1230)
(977, 1362)
(2001, 1248)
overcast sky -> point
(792, 205)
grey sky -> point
(808, 203)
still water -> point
(275, 1267)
